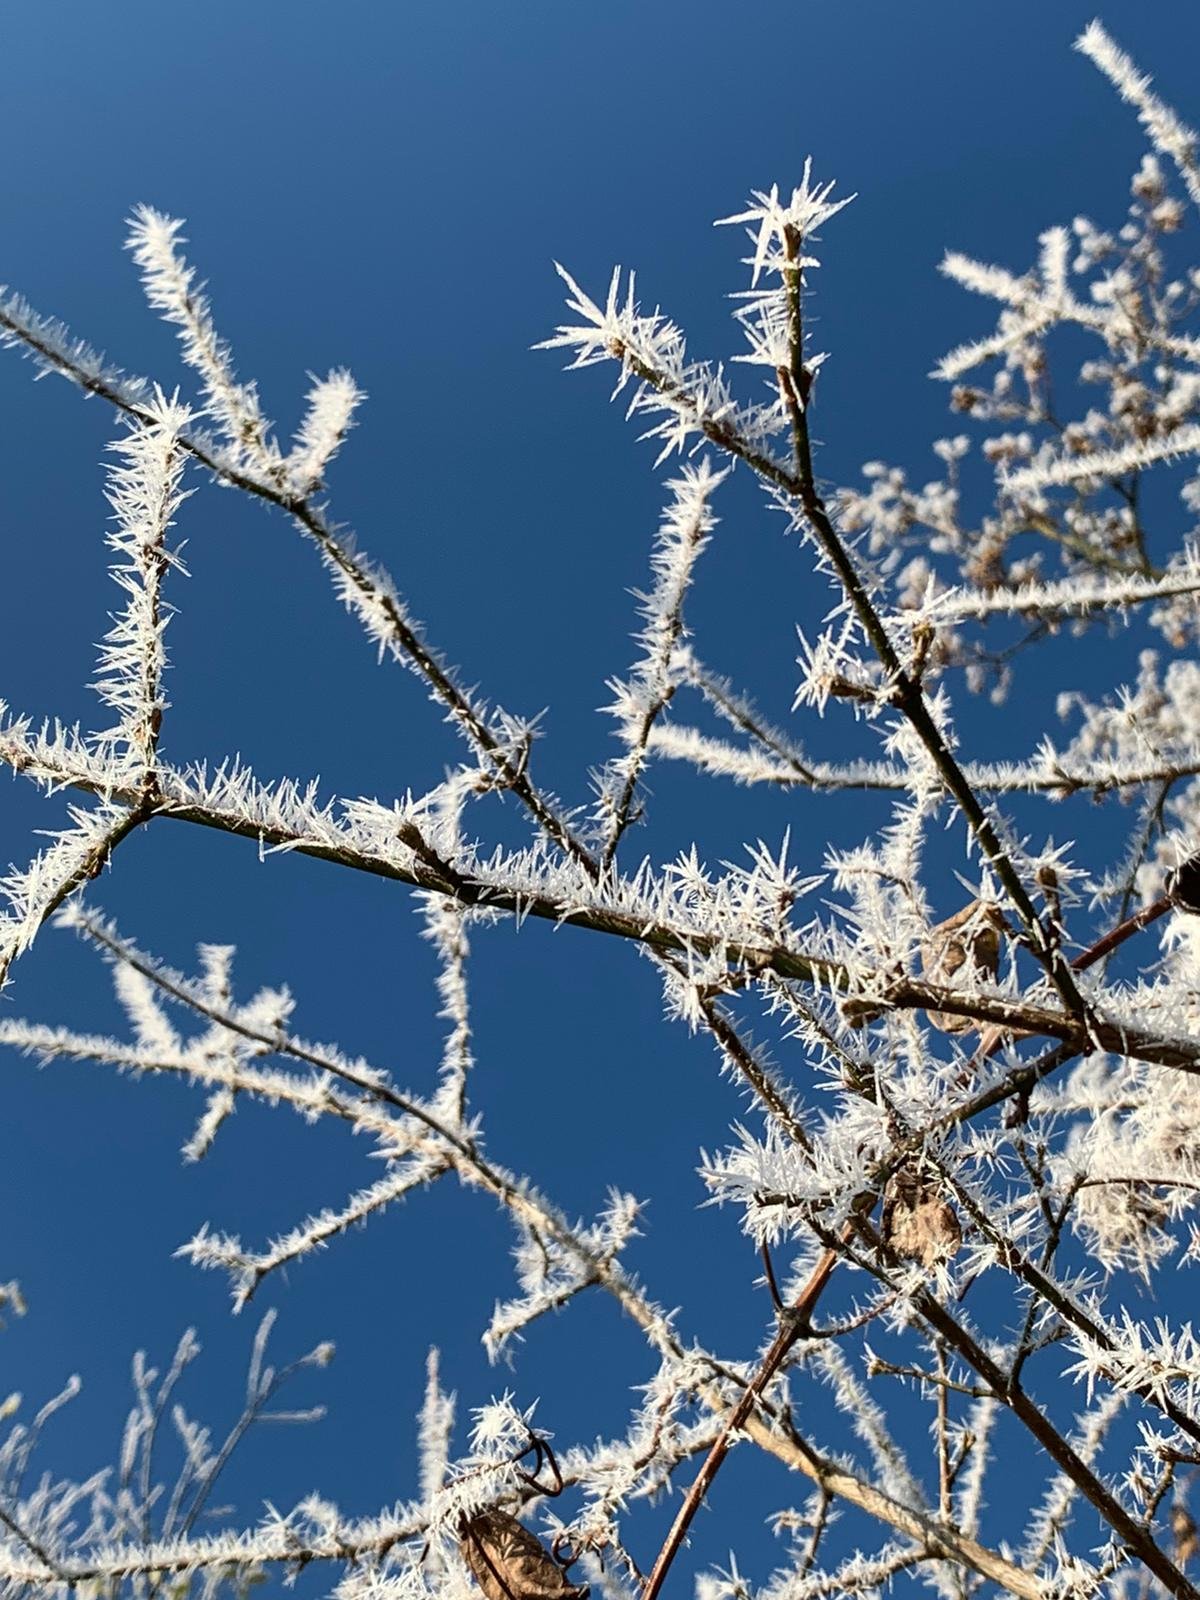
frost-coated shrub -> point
(975, 1133)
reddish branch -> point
(793, 1325)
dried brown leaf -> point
(917, 1221)
(1183, 1533)
(510, 1563)
(970, 939)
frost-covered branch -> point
(78, 854)
(663, 914)
(364, 587)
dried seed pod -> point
(1183, 1533)
(1183, 885)
(917, 1221)
(510, 1563)
(969, 939)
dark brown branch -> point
(791, 1328)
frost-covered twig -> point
(144, 493)
(172, 290)
(640, 702)
(78, 854)
(1167, 133)
(1068, 597)
(651, 351)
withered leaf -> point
(969, 939)
(1183, 1533)
(917, 1221)
(510, 1563)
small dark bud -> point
(1183, 886)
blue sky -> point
(386, 186)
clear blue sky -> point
(385, 186)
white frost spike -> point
(770, 218)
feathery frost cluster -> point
(972, 1155)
